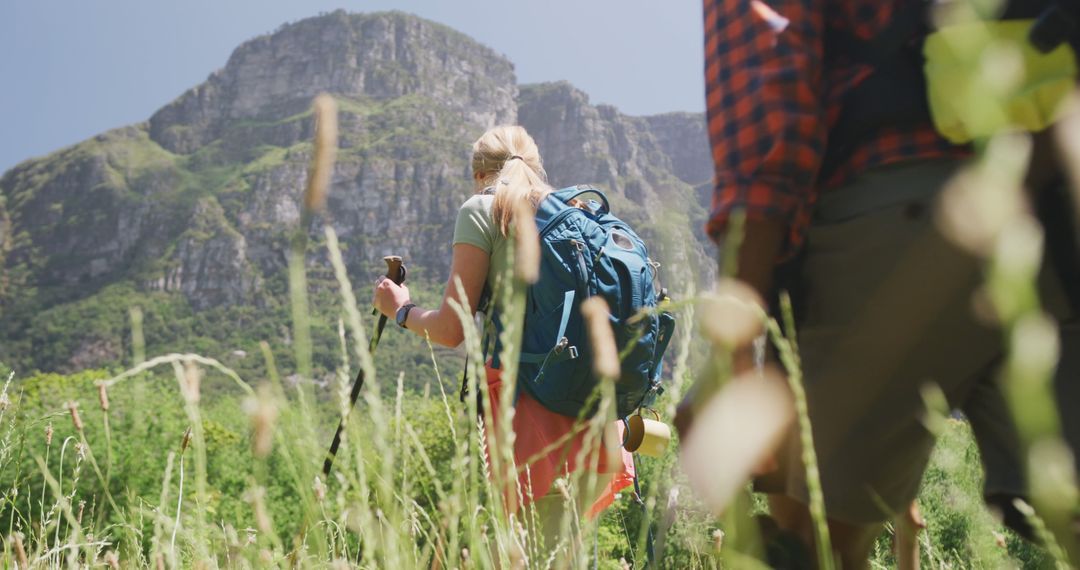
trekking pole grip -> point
(395, 268)
(395, 271)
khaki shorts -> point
(888, 309)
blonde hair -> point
(507, 158)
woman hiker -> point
(507, 171)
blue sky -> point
(72, 69)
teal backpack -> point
(586, 251)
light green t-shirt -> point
(475, 226)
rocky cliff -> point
(188, 214)
(634, 159)
(376, 58)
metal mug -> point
(645, 436)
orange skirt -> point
(537, 428)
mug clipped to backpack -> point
(645, 436)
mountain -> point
(188, 214)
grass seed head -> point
(20, 550)
(263, 413)
(731, 317)
(601, 338)
(257, 498)
(185, 441)
(517, 556)
(1019, 248)
(673, 499)
(734, 431)
(718, 539)
(103, 396)
(999, 539)
(1053, 482)
(73, 408)
(982, 200)
(562, 488)
(526, 243)
(319, 489)
(325, 153)
(112, 560)
(48, 434)
(611, 442)
(1036, 346)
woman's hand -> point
(389, 296)
(442, 326)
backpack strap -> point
(561, 350)
(568, 303)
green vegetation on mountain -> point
(189, 214)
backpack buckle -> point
(564, 344)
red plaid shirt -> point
(772, 98)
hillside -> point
(187, 214)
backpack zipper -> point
(579, 249)
(554, 221)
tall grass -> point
(415, 485)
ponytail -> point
(509, 160)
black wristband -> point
(403, 314)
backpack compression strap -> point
(561, 350)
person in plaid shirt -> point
(772, 96)
(886, 299)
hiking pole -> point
(395, 270)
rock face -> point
(212, 266)
(628, 158)
(200, 201)
(684, 137)
(381, 57)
